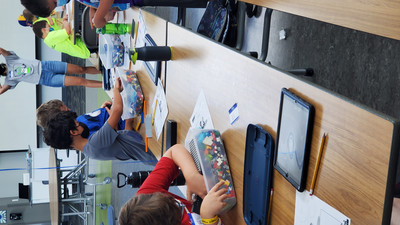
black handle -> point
(118, 178)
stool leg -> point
(181, 16)
(266, 31)
(302, 72)
(241, 23)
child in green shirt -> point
(59, 40)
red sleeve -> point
(160, 178)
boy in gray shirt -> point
(63, 131)
(49, 73)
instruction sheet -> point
(160, 109)
(201, 117)
(310, 210)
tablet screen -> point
(293, 138)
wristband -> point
(210, 221)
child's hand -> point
(107, 106)
(51, 22)
(92, 12)
(118, 85)
(109, 16)
(213, 203)
(4, 52)
(66, 26)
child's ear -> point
(74, 132)
(44, 31)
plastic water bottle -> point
(115, 28)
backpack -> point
(96, 119)
(219, 21)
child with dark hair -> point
(49, 73)
(93, 120)
(42, 8)
(58, 38)
(3, 69)
(63, 131)
(153, 204)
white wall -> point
(48, 54)
(10, 179)
(18, 106)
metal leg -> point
(241, 24)
(75, 200)
(75, 212)
(181, 16)
(94, 205)
(266, 31)
(74, 172)
(107, 180)
(302, 72)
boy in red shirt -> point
(153, 204)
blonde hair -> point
(28, 15)
(48, 109)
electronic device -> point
(295, 123)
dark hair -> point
(57, 130)
(37, 28)
(156, 208)
(47, 110)
(37, 7)
(3, 68)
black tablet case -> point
(257, 175)
(299, 186)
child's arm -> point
(66, 24)
(117, 106)
(194, 180)
(50, 19)
(213, 203)
(101, 12)
(4, 88)
(4, 52)
(92, 12)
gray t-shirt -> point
(22, 70)
(108, 144)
